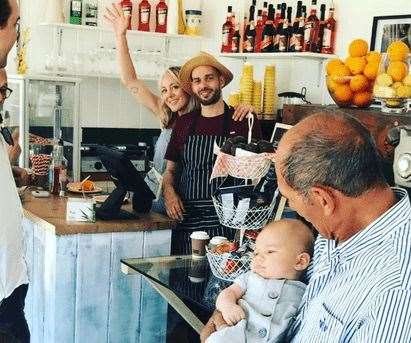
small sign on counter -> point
(81, 210)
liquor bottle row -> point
(276, 31)
(92, 11)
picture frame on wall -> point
(386, 29)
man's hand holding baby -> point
(227, 304)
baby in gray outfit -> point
(261, 304)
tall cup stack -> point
(269, 99)
(247, 84)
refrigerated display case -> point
(46, 109)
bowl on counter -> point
(393, 84)
(350, 91)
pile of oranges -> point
(350, 82)
(394, 79)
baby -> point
(261, 304)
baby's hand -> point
(233, 314)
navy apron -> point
(196, 189)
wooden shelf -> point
(279, 55)
(129, 32)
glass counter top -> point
(191, 279)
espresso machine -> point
(400, 138)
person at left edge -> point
(190, 151)
(13, 269)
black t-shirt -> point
(207, 126)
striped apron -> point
(196, 189)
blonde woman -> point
(173, 101)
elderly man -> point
(13, 271)
(360, 281)
(191, 150)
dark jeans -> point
(13, 324)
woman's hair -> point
(169, 116)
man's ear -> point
(302, 261)
(222, 81)
(324, 198)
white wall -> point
(103, 97)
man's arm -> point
(174, 204)
(215, 322)
(21, 177)
(389, 320)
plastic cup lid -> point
(199, 235)
(218, 239)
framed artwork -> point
(386, 29)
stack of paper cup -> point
(269, 96)
(247, 84)
(257, 89)
(234, 99)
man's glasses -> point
(5, 91)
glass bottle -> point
(227, 32)
(279, 28)
(311, 29)
(144, 9)
(76, 11)
(235, 43)
(127, 7)
(91, 13)
(250, 33)
(258, 31)
(329, 34)
(265, 12)
(269, 31)
(285, 32)
(58, 168)
(321, 27)
(161, 16)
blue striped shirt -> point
(360, 290)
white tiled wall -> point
(105, 103)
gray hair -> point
(169, 116)
(347, 161)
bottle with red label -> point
(144, 10)
(321, 27)
(249, 34)
(265, 12)
(161, 16)
(269, 32)
(259, 28)
(311, 29)
(235, 43)
(329, 34)
(127, 7)
(227, 32)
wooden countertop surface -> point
(51, 214)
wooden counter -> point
(51, 214)
(77, 291)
